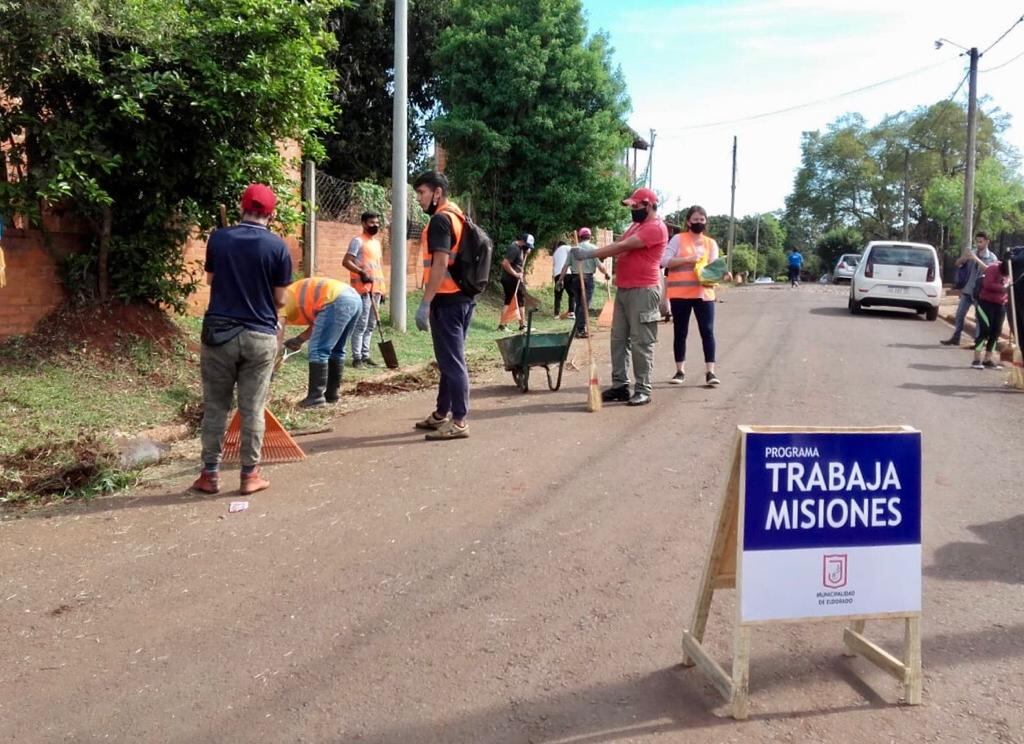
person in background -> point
(248, 269)
(365, 262)
(513, 276)
(446, 311)
(991, 311)
(686, 294)
(967, 299)
(330, 310)
(796, 263)
(638, 279)
(588, 267)
(559, 257)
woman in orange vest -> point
(329, 309)
(686, 294)
(365, 262)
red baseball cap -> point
(641, 196)
(258, 199)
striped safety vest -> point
(682, 282)
(448, 285)
(307, 297)
(371, 256)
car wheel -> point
(931, 313)
(853, 306)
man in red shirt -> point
(638, 280)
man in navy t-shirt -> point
(248, 269)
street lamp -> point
(941, 41)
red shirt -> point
(993, 286)
(642, 267)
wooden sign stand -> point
(721, 572)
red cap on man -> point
(641, 196)
(258, 199)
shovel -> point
(387, 348)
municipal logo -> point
(834, 571)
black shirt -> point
(247, 262)
(516, 256)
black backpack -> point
(472, 267)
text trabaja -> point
(865, 496)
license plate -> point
(898, 290)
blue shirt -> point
(796, 260)
(247, 262)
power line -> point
(1003, 36)
(809, 104)
(1004, 64)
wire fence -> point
(345, 201)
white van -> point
(897, 274)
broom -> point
(593, 388)
(1016, 376)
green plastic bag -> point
(711, 274)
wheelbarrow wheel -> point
(521, 376)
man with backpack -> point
(967, 294)
(456, 262)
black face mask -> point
(373, 229)
(697, 227)
(639, 215)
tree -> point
(836, 242)
(533, 117)
(141, 116)
(743, 259)
(772, 263)
(359, 143)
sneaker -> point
(207, 482)
(431, 422)
(677, 378)
(252, 483)
(616, 394)
(503, 327)
(952, 341)
(370, 363)
(639, 399)
(976, 364)
(448, 430)
(570, 316)
(989, 364)
(711, 380)
(357, 364)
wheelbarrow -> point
(531, 349)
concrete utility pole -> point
(967, 223)
(650, 162)
(732, 205)
(906, 194)
(399, 166)
(309, 227)
(757, 242)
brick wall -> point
(332, 239)
(33, 286)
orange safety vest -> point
(371, 256)
(306, 297)
(448, 285)
(682, 282)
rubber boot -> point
(334, 375)
(317, 385)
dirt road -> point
(529, 584)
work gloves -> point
(423, 316)
(581, 254)
(365, 278)
(293, 344)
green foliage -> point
(359, 143)
(836, 242)
(533, 117)
(371, 197)
(854, 174)
(743, 259)
(141, 116)
(772, 262)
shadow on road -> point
(964, 391)
(924, 347)
(937, 367)
(999, 558)
(868, 312)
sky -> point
(687, 64)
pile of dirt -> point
(404, 382)
(107, 328)
(57, 469)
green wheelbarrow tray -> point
(531, 349)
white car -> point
(845, 266)
(764, 280)
(897, 274)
